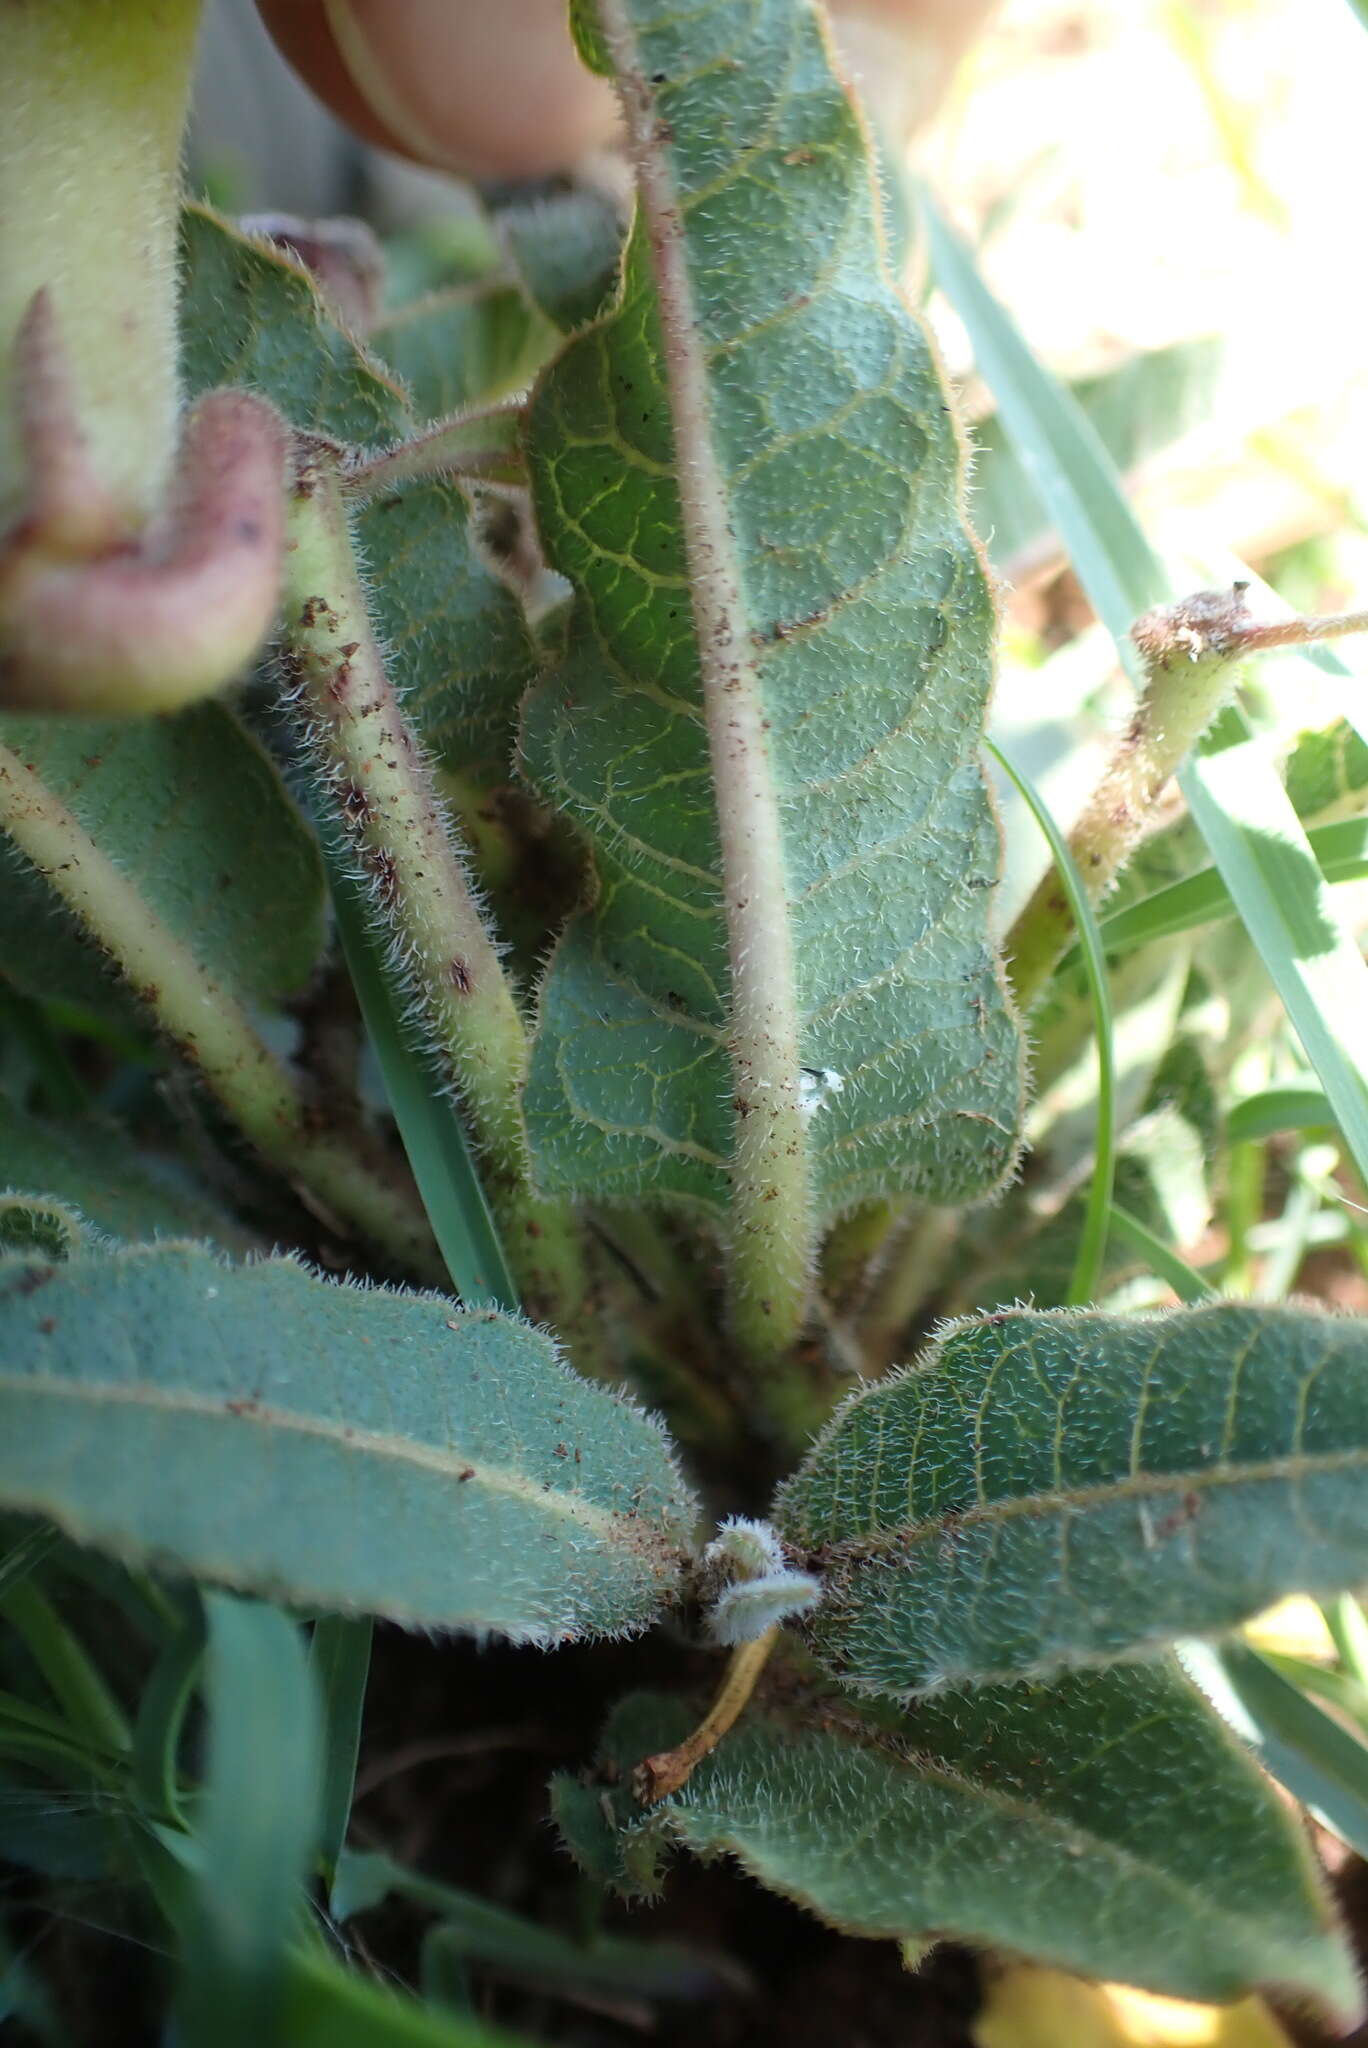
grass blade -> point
(1313, 960)
(434, 1137)
(1092, 1241)
(339, 1657)
(1341, 852)
(161, 1719)
(258, 1824)
(1186, 1282)
(1319, 1762)
(327, 2006)
(1348, 1624)
(1233, 791)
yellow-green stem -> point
(92, 103)
(381, 789)
(1190, 652)
(670, 1769)
(206, 1022)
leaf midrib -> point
(1138, 1486)
(772, 1209)
(609, 1524)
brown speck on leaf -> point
(467, 1472)
(48, 1325)
(561, 1451)
(459, 973)
(32, 1278)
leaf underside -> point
(1104, 1823)
(1061, 1489)
(866, 605)
(332, 1446)
(193, 811)
(91, 1165)
(456, 643)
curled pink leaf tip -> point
(97, 618)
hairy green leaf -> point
(1104, 1823)
(250, 316)
(39, 1225)
(90, 1164)
(1047, 1490)
(567, 251)
(350, 1449)
(465, 344)
(194, 813)
(1327, 774)
(768, 717)
(457, 644)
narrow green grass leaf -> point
(339, 1659)
(1137, 409)
(1340, 851)
(429, 1123)
(258, 1826)
(1058, 446)
(72, 1676)
(53, 1836)
(1277, 1109)
(165, 1701)
(1323, 1682)
(473, 1927)
(1055, 1489)
(1092, 1238)
(1312, 958)
(1348, 1625)
(1104, 1823)
(25, 1555)
(1306, 1749)
(328, 2006)
(352, 1449)
(1162, 1261)
(1234, 794)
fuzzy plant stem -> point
(1190, 652)
(205, 1022)
(772, 1222)
(378, 786)
(485, 443)
(92, 103)
(656, 1777)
